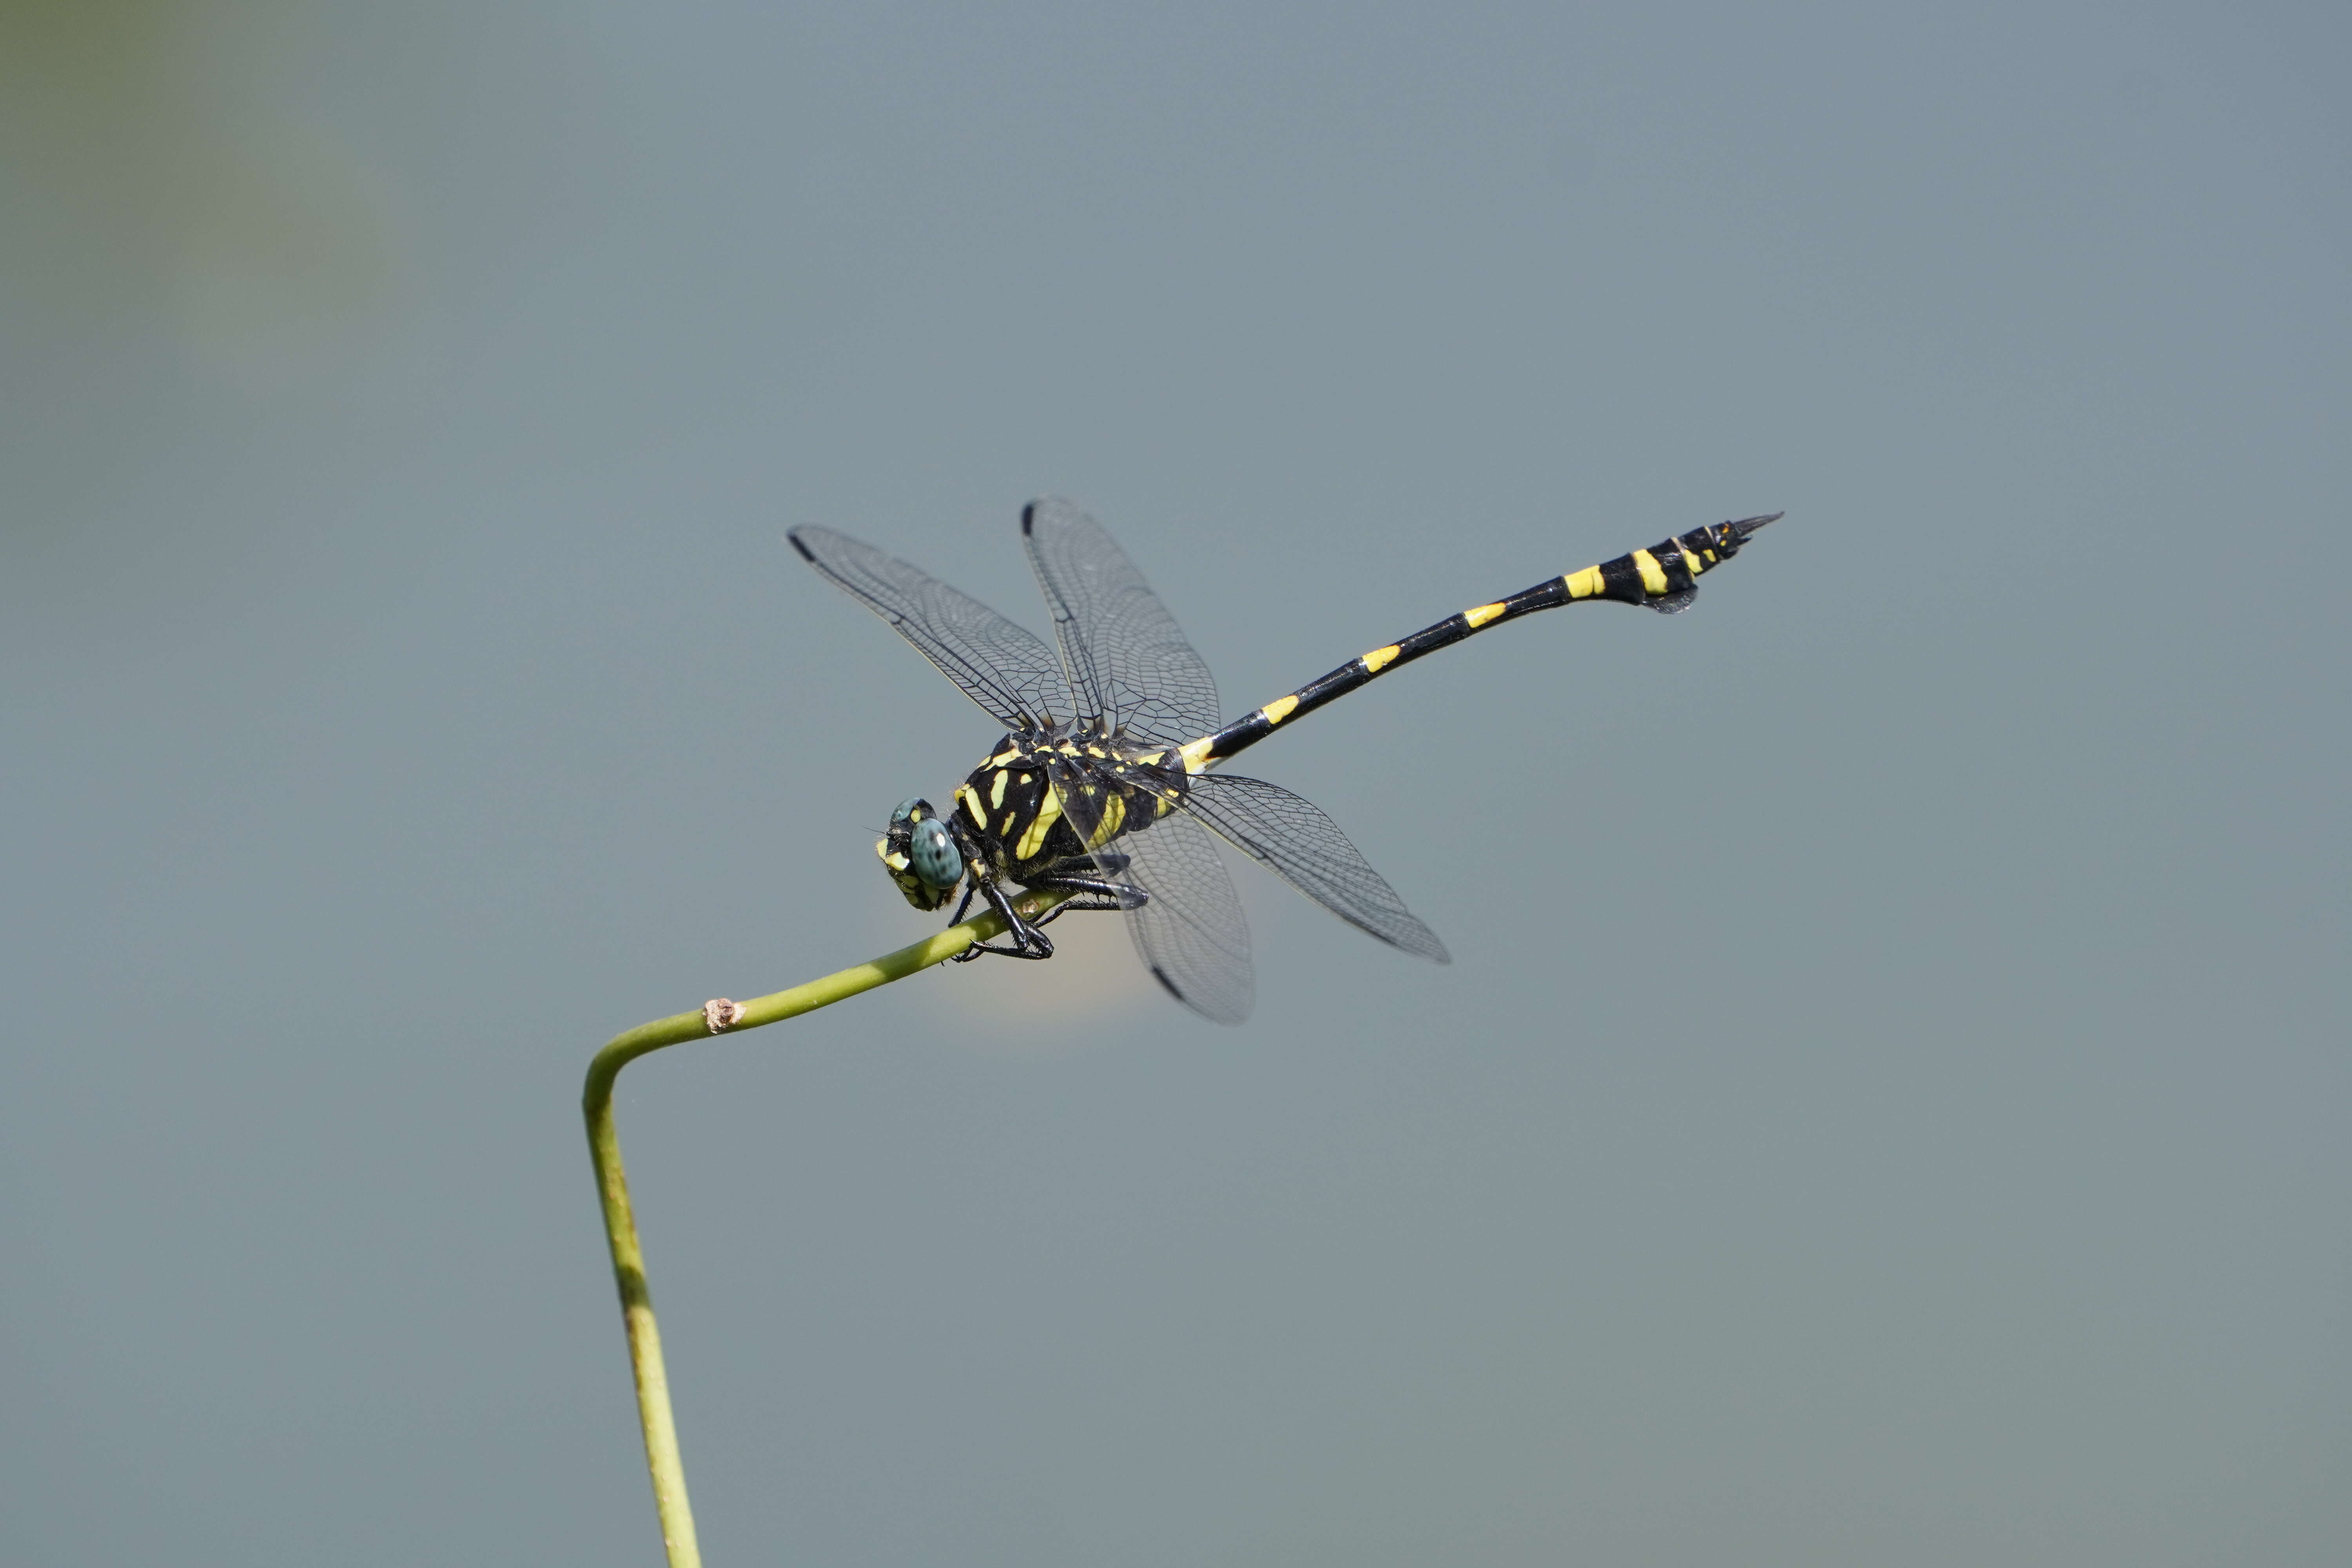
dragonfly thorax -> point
(1046, 799)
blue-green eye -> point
(920, 855)
(934, 856)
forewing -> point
(1127, 659)
(1192, 935)
(1307, 850)
(1005, 669)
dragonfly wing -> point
(1005, 669)
(1127, 660)
(1191, 934)
(1307, 850)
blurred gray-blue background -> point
(1890, 1101)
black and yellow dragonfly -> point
(1104, 786)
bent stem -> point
(669, 1471)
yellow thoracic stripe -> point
(1654, 576)
(1380, 659)
(1034, 839)
(1114, 815)
(1279, 708)
(1479, 617)
(996, 789)
(1584, 584)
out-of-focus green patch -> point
(148, 169)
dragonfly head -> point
(922, 855)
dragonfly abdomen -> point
(1664, 577)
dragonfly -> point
(1107, 786)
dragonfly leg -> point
(1028, 942)
(1093, 893)
(967, 955)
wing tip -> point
(1048, 505)
(1413, 939)
(792, 536)
(1227, 1018)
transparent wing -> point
(1007, 670)
(1193, 935)
(1307, 850)
(1127, 660)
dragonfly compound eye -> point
(921, 856)
(936, 861)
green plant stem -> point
(662, 1460)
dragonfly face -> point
(922, 855)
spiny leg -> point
(1028, 941)
(1094, 894)
(1094, 881)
